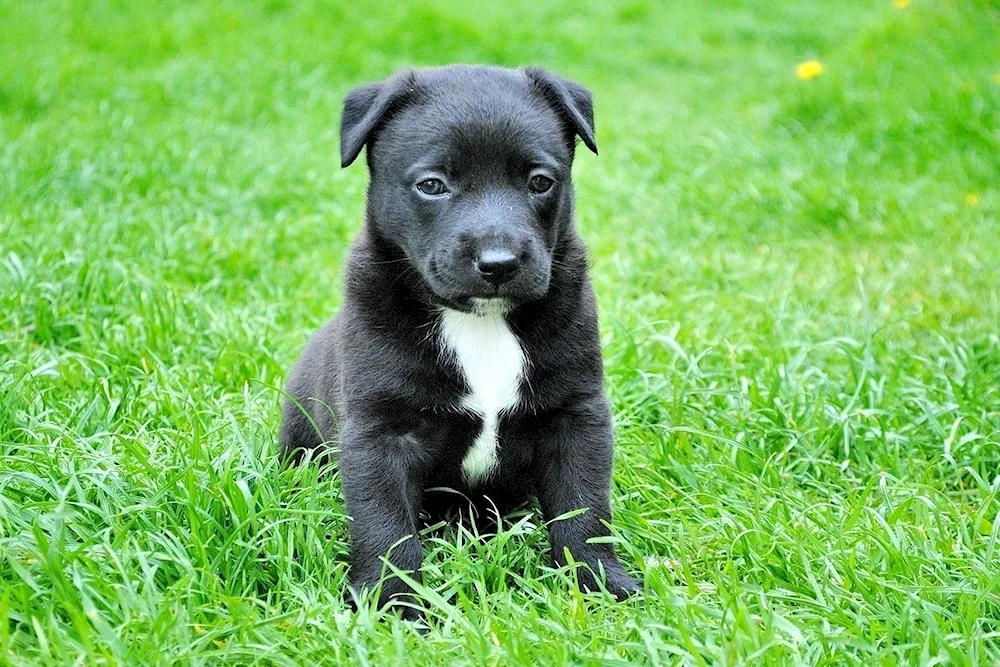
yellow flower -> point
(901, 4)
(972, 199)
(808, 70)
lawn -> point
(799, 282)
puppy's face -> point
(471, 179)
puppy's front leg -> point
(573, 464)
(382, 477)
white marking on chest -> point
(492, 363)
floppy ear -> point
(573, 102)
(365, 108)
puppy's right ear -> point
(365, 108)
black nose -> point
(497, 266)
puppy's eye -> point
(432, 187)
(540, 184)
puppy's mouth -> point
(484, 306)
(491, 306)
(483, 302)
(467, 292)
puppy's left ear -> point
(365, 108)
(573, 102)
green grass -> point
(798, 284)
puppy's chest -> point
(493, 364)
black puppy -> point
(466, 354)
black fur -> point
(375, 379)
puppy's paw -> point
(621, 585)
(394, 597)
(409, 609)
(616, 581)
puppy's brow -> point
(544, 161)
(423, 169)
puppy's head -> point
(470, 175)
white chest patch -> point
(493, 363)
